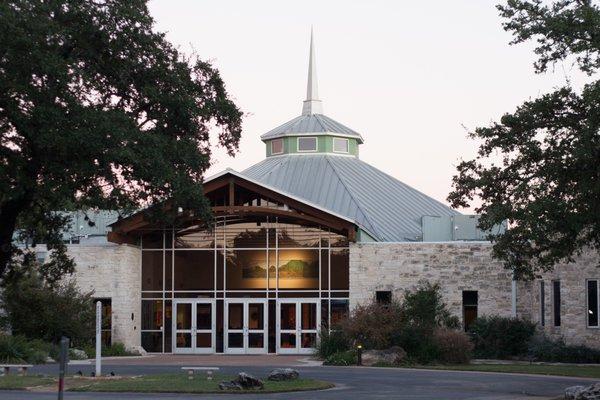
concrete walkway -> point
(211, 360)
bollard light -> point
(359, 354)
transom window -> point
(593, 301)
(277, 146)
(307, 144)
(340, 145)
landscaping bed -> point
(162, 383)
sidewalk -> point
(268, 360)
(524, 362)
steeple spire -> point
(312, 104)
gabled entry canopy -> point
(233, 195)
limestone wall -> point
(113, 271)
(455, 266)
(459, 266)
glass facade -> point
(239, 258)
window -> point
(383, 297)
(593, 298)
(556, 302)
(340, 145)
(542, 304)
(470, 299)
(106, 326)
(277, 146)
(307, 144)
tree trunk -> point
(9, 212)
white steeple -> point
(312, 104)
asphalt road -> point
(352, 383)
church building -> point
(297, 241)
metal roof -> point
(381, 205)
(311, 124)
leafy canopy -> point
(97, 110)
(547, 182)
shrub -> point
(542, 348)
(372, 325)
(454, 347)
(501, 337)
(332, 342)
(17, 349)
(114, 350)
(59, 310)
(342, 358)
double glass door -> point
(194, 326)
(245, 326)
(298, 323)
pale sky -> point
(408, 75)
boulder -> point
(393, 356)
(244, 381)
(229, 385)
(283, 374)
(591, 392)
(247, 381)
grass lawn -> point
(583, 371)
(164, 383)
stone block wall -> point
(459, 266)
(573, 305)
(113, 271)
(455, 266)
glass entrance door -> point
(298, 322)
(194, 326)
(246, 326)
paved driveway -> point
(351, 383)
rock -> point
(244, 381)
(283, 374)
(229, 385)
(591, 392)
(247, 381)
(77, 354)
(393, 356)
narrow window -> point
(542, 304)
(556, 302)
(106, 325)
(340, 145)
(383, 297)
(470, 300)
(307, 144)
(592, 299)
(277, 146)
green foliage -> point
(59, 310)
(537, 168)
(342, 358)
(114, 350)
(542, 348)
(17, 349)
(331, 342)
(100, 111)
(501, 337)
(421, 325)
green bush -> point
(114, 350)
(542, 348)
(332, 342)
(17, 349)
(454, 346)
(342, 358)
(59, 310)
(501, 337)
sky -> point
(413, 77)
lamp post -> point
(359, 354)
(98, 338)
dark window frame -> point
(556, 300)
(469, 303)
(383, 297)
(595, 283)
